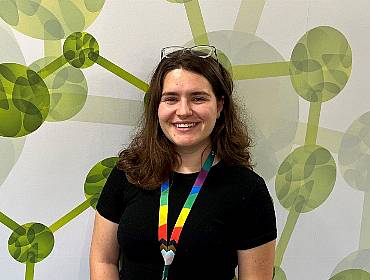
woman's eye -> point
(199, 99)
(169, 99)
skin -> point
(104, 250)
(257, 263)
(187, 98)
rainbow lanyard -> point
(168, 249)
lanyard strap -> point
(168, 249)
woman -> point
(191, 142)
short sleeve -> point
(111, 201)
(256, 221)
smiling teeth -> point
(184, 125)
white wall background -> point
(47, 180)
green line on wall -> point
(365, 223)
(30, 271)
(115, 69)
(196, 22)
(70, 216)
(262, 70)
(52, 67)
(326, 137)
(310, 139)
(285, 235)
(8, 222)
(109, 110)
(52, 48)
(313, 123)
(249, 15)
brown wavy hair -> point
(150, 157)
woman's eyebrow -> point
(200, 93)
(169, 93)
(197, 92)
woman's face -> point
(188, 109)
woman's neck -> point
(192, 159)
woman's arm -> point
(104, 251)
(256, 263)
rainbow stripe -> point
(168, 249)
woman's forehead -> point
(186, 86)
(185, 78)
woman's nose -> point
(184, 108)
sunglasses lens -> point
(202, 51)
(170, 51)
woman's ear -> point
(220, 106)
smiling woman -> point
(183, 201)
(188, 111)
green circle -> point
(224, 61)
(305, 178)
(351, 274)
(359, 259)
(81, 50)
(31, 243)
(354, 154)
(96, 178)
(48, 20)
(179, 1)
(24, 100)
(279, 274)
(68, 90)
(321, 64)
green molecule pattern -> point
(354, 154)
(359, 259)
(279, 274)
(67, 87)
(81, 50)
(352, 274)
(31, 243)
(306, 178)
(50, 20)
(96, 179)
(24, 100)
(179, 1)
(319, 69)
(321, 64)
(224, 61)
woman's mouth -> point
(185, 125)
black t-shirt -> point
(233, 211)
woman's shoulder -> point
(117, 180)
(238, 180)
(117, 172)
(238, 172)
(116, 176)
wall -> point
(67, 106)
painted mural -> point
(302, 160)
